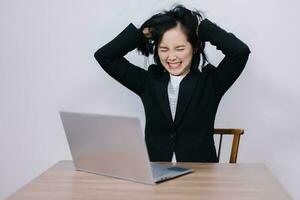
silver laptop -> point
(113, 146)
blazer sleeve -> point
(236, 53)
(111, 59)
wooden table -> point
(209, 181)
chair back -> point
(236, 133)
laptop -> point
(113, 146)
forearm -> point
(236, 53)
(111, 59)
(227, 42)
(117, 48)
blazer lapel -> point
(186, 90)
(161, 90)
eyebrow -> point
(176, 46)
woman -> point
(180, 101)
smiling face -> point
(175, 52)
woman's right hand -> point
(146, 32)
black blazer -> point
(190, 135)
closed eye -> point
(164, 50)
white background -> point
(47, 65)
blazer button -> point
(172, 136)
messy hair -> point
(159, 23)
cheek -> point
(187, 57)
(162, 57)
(183, 58)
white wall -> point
(47, 65)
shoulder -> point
(208, 71)
(208, 68)
(155, 70)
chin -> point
(177, 72)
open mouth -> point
(174, 65)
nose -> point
(172, 57)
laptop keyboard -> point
(158, 170)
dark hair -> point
(159, 23)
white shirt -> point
(173, 91)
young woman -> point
(180, 101)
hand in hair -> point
(146, 32)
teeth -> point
(174, 65)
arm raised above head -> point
(236, 53)
(111, 59)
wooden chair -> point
(236, 133)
